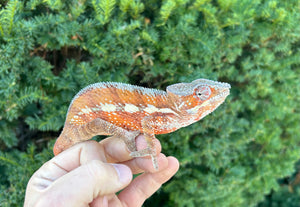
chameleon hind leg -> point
(72, 135)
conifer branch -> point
(54, 4)
(103, 9)
(1, 29)
(11, 162)
(7, 17)
(166, 10)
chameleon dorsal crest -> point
(125, 111)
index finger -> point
(80, 154)
(117, 151)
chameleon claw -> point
(154, 162)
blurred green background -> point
(243, 154)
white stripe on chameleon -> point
(196, 108)
(131, 108)
(152, 109)
(166, 110)
(86, 110)
(180, 105)
(205, 103)
(108, 107)
(96, 108)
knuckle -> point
(96, 169)
(88, 144)
(92, 145)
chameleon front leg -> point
(149, 124)
(150, 150)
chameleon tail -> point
(66, 139)
(62, 143)
(58, 147)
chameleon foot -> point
(146, 152)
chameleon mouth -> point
(221, 95)
(220, 98)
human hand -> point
(84, 176)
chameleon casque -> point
(125, 111)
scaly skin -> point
(125, 111)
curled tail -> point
(68, 137)
(58, 147)
(63, 142)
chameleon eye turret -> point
(125, 111)
(202, 92)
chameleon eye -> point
(203, 92)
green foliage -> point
(103, 9)
(16, 168)
(288, 195)
(50, 49)
(7, 16)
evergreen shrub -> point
(50, 49)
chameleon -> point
(126, 111)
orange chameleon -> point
(125, 111)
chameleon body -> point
(125, 111)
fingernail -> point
(124, 173)
(104, 201)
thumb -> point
(85, 183)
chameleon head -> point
(200, 97)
